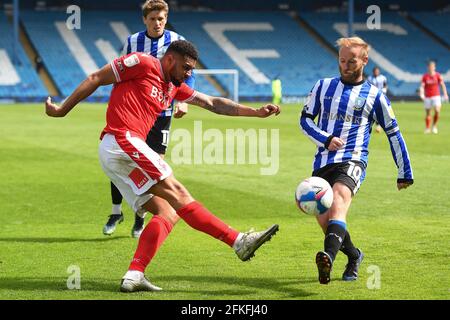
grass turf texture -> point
(55, 199)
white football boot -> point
(249, 242)
(134, 281)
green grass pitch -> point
(55, 199)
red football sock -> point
(435, 119)
(199, 218)
(427, 122)
(150, 240)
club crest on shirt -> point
(359, 103)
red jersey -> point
(431, 84)
(140, 95)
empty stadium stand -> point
(265, 45)
(261, 45)
(436, 22)
(400, 48)
(18, 81)
(71, 55)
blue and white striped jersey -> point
(348, 112)
(157, 47)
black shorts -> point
(349, 173)
(158, 137)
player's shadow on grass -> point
(289, 288)
(286, 288)
(61, 240)
(58, 284)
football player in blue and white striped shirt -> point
(346, 108)
(154, 40)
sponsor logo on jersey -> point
(161, 96)
(138, 177)
(342, 117)
(335, 99)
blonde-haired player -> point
(347, 106)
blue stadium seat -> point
(95, 25)
(29, 85)
(438, 23)
(408, 51)
(301, 59)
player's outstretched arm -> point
(386, 118)
(230, 108)
(102, 77)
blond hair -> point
(154, 5)
(354, 42)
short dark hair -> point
(184, 48)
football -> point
(314, 196)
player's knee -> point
(341, 193)
(169, 215)
(177, 188)
(177, 194)
(338, 198)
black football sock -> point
(334, 237)
(115, 195)
(348, 248)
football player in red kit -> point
(143, 87)
(429, 93)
